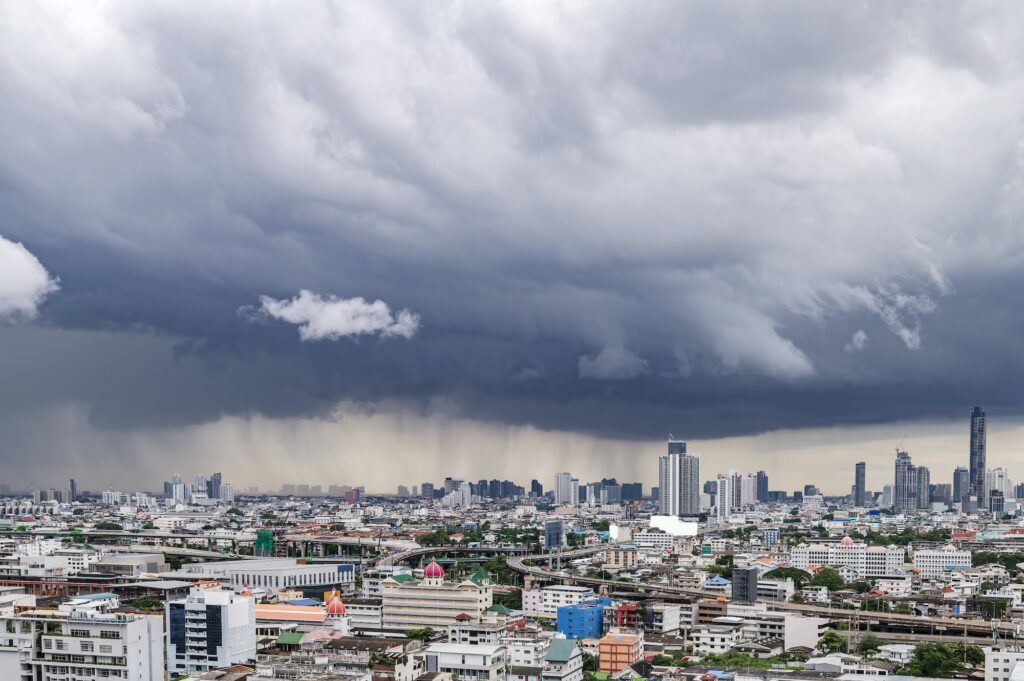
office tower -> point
(811, 491)
(73, 487)
(998, 479)
(632, 491)
(977, 454)
(996, 502)
(744, 585)
(723, 497)
(227, 493)
(762, 487)
(922, 486)
(508, 489)
(536, 489)
(798, 496)
(942, 493)
(1018, 491)
(427, 490)
(961, 483)
(168, 489)
(859, 471)
(591, 493)
(451, 484)
(210, 629)
(678, 481)
(213, 486)
(887, 496)
(655, 495)
(567, 490)
(904, 490)
(494, 489)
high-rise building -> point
(998, 480)
(996, 502)
(678, 481)
(210, 629)
(744, 585)
(859, 471)
(961, 483)
(904, 485)
(922, 486)
(632, 491)
(213, 486)
(723, 496)
(73, 486)
(762, 487)
(536, 489)
(977, 454)
(567, 490)
(427, 490)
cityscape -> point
(709, 572)
(511, 340)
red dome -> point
(433, 570)
(335, 606)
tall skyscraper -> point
(859, 471)
(977, 459)
(961, 483)
(678, 481)
(723, 496)
(923, 486)
(904, 486)
(567, 490)
(762, 487)
(74, 489)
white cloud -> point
(330, 318)
(614, 362)
(857, 341)
(24, 282)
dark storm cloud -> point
(611, 219)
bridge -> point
(883, 623)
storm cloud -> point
(605, 219)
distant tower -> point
(905, 485)
(859, 471)
(678, 481)
(977, 460)
(961, 483)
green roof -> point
(289, 638)
(561, 650)
(499, 608)
(402, 578)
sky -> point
(504, 239)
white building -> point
(567, 490)
(431, 601)
(464, 661)
(1000, 664)
(209, 629)
(55, 645)
(934, 563)
(546, 602)
(866, 561)
(276, 574)
(563, 661)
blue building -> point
(583, 620)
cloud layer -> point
(609, 224)
(24, 282)
(331, 318)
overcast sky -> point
(375, 243)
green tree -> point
(831, 642)
(799, 577)
(589, 663)
(108, 525)
(942, 660)
(234, 511)
(870, 644)
(424, 634)
(828, 577)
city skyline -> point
(565, 247)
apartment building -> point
(208, 629)
(933, 563)
(56, 645)
(546, 602)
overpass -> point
(881, 621)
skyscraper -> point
(859, 471)
(923, 486)
(961, 483)
(678, 481)
(723, 496)
(977, 460)
(904, 486)
(762, 487)
(567, 490)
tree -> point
(234, 511)
(424, 634)
(600, 525)
(799, 577)
(107, 525)
(831, 642)
(589, 663)
(148, 525)
(870, 644)
(941, 659)
(78, 511)
(148, 603)
(828, 577)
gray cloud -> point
(729, 191)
